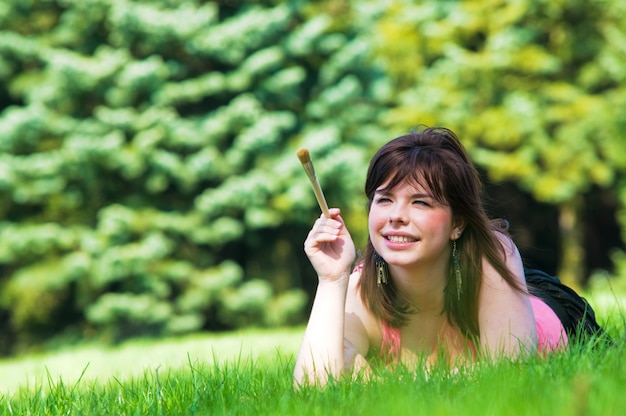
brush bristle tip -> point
(304, 156)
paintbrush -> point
(307, 164)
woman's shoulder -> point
(355, 276)
(507, 242)
(511, 259)
(353, 297)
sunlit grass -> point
(132, 359)
(580, 381)
(251, 373)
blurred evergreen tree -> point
(148, 177)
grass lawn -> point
(134, 358)
(250, 373)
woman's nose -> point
(398, 214)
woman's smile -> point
(395, 238)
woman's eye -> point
(421, 202)
(382, 200)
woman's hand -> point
(330, 248)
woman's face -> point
(409, 228)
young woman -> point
(438, 279)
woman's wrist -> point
(340, 280)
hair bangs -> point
(421, 169)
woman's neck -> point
(422, 287)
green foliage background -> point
(535, 88)
(148, 172)
(148, 178)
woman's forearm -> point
(322, 352)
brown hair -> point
(435, 159)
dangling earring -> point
(382, 271)
(456, 263)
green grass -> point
(134, 358)
(576, 382)
(250, 373)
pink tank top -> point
(550, 331)
(551, 334)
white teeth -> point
(400, 239)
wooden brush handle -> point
(307, 164)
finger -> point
(334, 212)
(327, 224)
(325, 235)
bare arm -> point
(322, 351)
(331, 252)
(506, 319)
